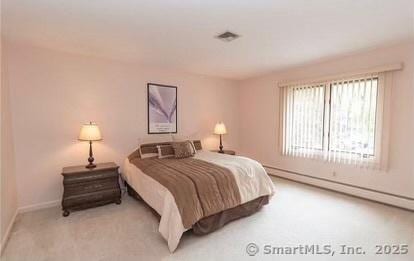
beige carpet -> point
(297, 215)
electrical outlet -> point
(333, 173)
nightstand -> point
(229, 152)
(86, 188)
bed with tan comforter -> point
(201, 193)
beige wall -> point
(8, 189)
(53, 93)
(259, 129)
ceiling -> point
(180, 34)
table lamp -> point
(90, 132)
(220, 129)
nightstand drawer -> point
(82, 178)
(91, 186)
(85, 199)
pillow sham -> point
(183, 149)
(145, 155)
(165, 151)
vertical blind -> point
(303, 120)
(337, 121)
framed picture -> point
(162, 108)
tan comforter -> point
(200, 188)
(232, 180)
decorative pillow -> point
(150, 150)
(183, 149)
(165, 151)
(197, 145)
(180, 139)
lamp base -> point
(90, 159)
(90, 166)
(221, 146)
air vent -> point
(227, 36)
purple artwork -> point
(162, 109)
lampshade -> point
(90, 132)
(220, 128)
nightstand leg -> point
(65, 213)
(118, 201)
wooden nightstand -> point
(229, 152)
(86, 188)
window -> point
(337, 121)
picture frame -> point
(161, 108)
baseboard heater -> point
(343, 184)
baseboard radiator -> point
(382, 197)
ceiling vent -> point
(227, 36)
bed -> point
(201, 193)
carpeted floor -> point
(298, 215)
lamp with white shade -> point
(220, 129)
(90, 132)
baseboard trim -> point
(8, 231)
(400, 201)
(39, 206)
